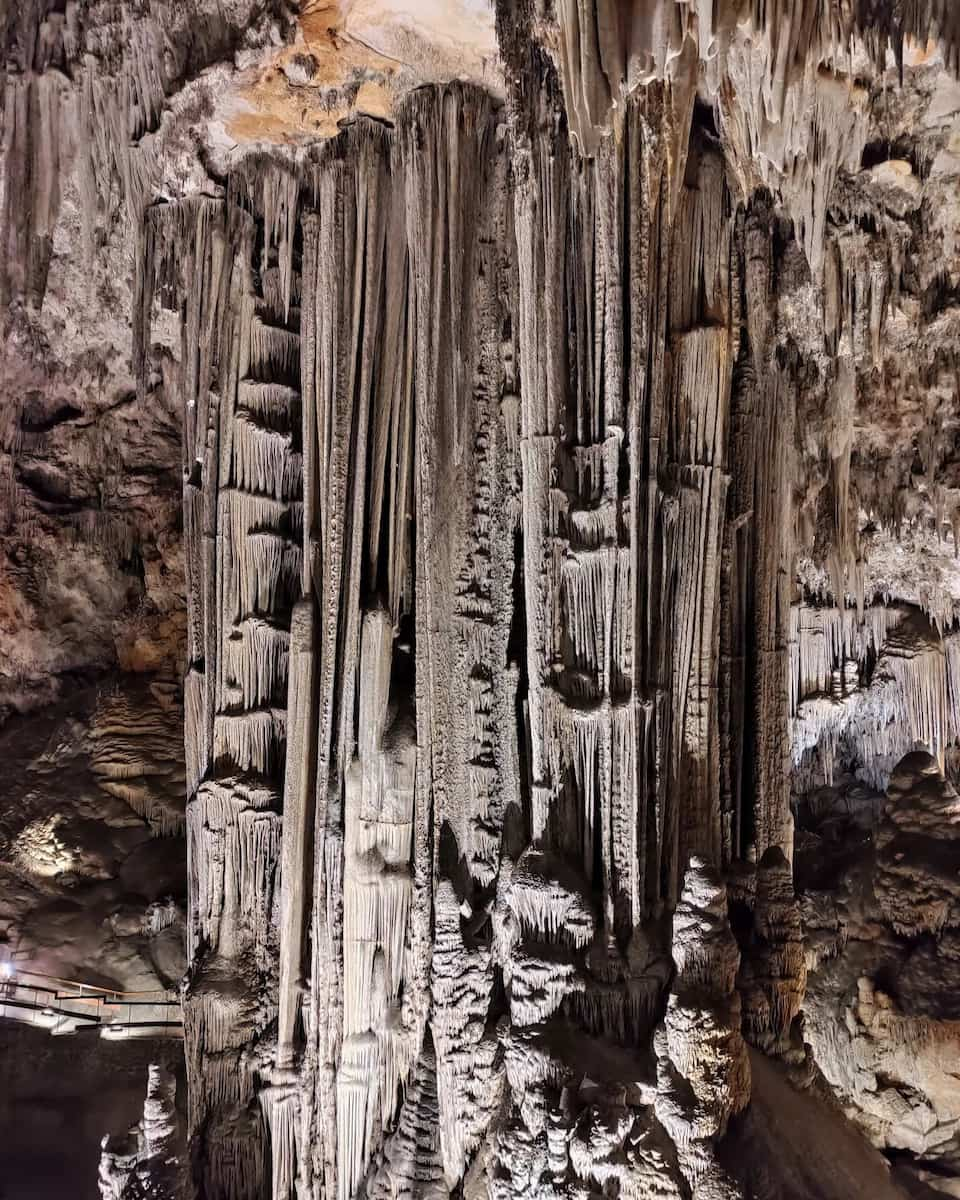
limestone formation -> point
(773, 969)
(703, 1073)
(531, 471)
(147, 1165)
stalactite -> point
(263, 461)
(35, 109)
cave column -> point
(241, 512)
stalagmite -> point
(702, 1069)
(917, 882)
(148, 1163)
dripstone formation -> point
(568, 533)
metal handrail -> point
(104, 1010)
(89, 987)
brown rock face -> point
(918, 850)
(479, 508)
(891, 975)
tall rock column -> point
(357, 837)
(591, 726)
(403, 762)
(694, 503)
(466, 490)
(242, 477)
(757, 561)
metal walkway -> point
(63, 1007)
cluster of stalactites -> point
(85, 94)
(825, 641)
(389, 212)
(72, 102)
(603, 50)
(865, 692)
(49, 126)
(374, 221)
(378, 279)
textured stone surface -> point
(484, 476)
